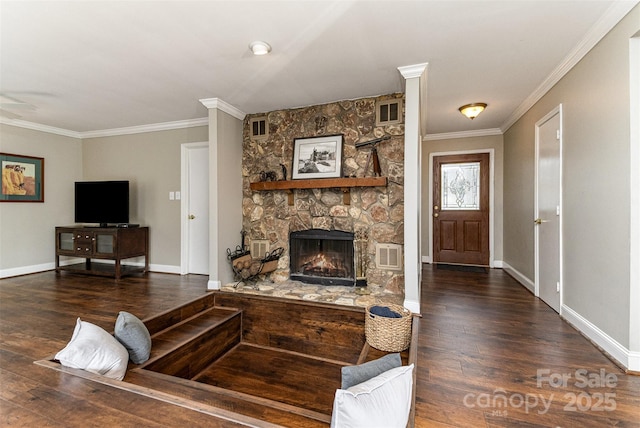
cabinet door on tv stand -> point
(105, 244)
(65, 242)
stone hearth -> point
(296, 290)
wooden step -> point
(219, 398)
(192, 344)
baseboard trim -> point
(518, 276)
(26, 270)
(497, 264)
(164, 269)
(624, 357)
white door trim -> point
(491, 197)
(556, 111)
(184, 203)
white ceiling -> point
(93, 65)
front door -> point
(461, 209)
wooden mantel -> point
(345, 184)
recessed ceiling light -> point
(260, 48)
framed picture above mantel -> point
(317, 157)
(22, 178)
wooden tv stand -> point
(104, 243)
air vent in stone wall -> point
(389, 112)
(389, 256)
(259, 128)
(259, 248)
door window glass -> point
(460, 186)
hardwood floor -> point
(483, 340)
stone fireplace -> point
(322, 257)
(374, 212)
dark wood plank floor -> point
(483, 338)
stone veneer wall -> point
(376, 211)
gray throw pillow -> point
(354, 375)
(134, 335)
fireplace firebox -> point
(323, 257)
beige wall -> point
(27, 240)
(151, 162)
(494, 142)
(596, 191)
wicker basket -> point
(388, 334)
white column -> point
(415, 76)
(225, 187)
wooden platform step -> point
(188, 347)
(219, 398)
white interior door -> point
(196, 212)
(548, 210)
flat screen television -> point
(102, 202)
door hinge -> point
(557, 134)
(558, 287)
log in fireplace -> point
(322, 257)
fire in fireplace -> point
(322, 257)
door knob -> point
(191, 216)
(435, 214)
(436, 208)
(540, 221)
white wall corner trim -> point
(631, 361)
(214, 285)
(518, 276)
(426, 259)
(224, 106)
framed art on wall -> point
(317, 157)
(22, 178)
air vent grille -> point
(259, 127)
(259, 248)
(389, 112)
(389, 256)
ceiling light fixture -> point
(260, 48)
(472, 110)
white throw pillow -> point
(92, 349)
(383, 401)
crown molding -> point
(413, 71)
(224, 106)
(462, 134)
(610, 19)
(39, 127)
(164, 126)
